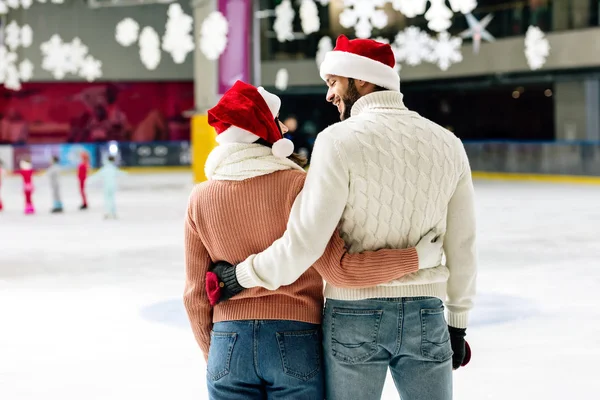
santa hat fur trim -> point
(363, 59)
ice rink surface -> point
(91, 309)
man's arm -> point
(195, 298)
(313, 218)
(459, 246)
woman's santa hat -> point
(246, 114)
(364, 59)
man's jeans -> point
(361, 339)
(265, 360)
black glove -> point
(461, 349)
(221, 282)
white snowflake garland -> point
(26, 70)
(9, 75)
(412, 46)
(363, 16)
(410, 8)
(149, 44)
(213, 35)
(178, 40)
(12, 3)
(445, 51)
(463, 6)
(284, 18)
(281, 79)
(439, 16)
(324, 46)
(127, 32)
(537, 47)
(12, 36)
(26, 3)
(3, 8)
(90, 69)
(309, 17)
(61, 58)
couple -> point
(383, 184)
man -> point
(386, 176)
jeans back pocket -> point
(300, 353)
(435, 339)
(219, 354)
(354, 334)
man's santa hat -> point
(246, 114)
(363, 59)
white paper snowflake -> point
(149, 43)
(410, 8)
(445, 51)
(324, 46)
(281, 79)
(178, 40)
(463, 6)
(439, 16)
(58, 1)
(7, 59)
(309, 17)
(213, 35)
(3, 8)
(25, 70)
(127, 31)
(12, 35)
(90, 69)
(12, 3)
(26, 3)
(75, 52)
(363, 16)
(11, 81)
(26, 36)
(324, 2)
(55, 61)
(284, 18)
(412, 46)
(537, 47)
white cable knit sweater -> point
(387, 176)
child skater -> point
(109, 174)
(26, 171)
(82, 172)
(54, 175)
(1, 176)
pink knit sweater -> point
(231, 220)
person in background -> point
(54, 176)
(109, 175)
(82, 173)
(26, 171)
(297, 136)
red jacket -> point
(82, 171)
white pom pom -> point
(283, 148)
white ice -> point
(91, 309)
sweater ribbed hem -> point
(429, 290)
(237, 311)
(458, 320)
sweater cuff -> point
(245, 274)
(458, 320)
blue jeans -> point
(362, 339)
(265, 360)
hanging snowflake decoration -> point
(56, 1)
(463, 6)
(309, 17)
(12, 36)
(324, 2)
(26, 36)
(55, 57)
(284, 18)
(178, 40)
(25, 70)
(363, 16)
(149, 43)
(412, 46)
(213, 35)
(439, 16)
(410, 8)
(75, 52)
(11, 80)
(12, 3)
(3, 8)
(8, 71)
(324, 46)
(537, 47)
(127, 31)
(26, 3)
(91, 69)
(445, 51)
(281, 79)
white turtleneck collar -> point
(386, 99)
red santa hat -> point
(246, 114)
(363, 59)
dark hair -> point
(55, 159)
(376, 88)
(111, 158)
(295, 157)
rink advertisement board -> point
(234, 63)
(6, 156)
(161, 154)
(41, 155)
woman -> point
(265, 344)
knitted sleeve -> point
(195, 299)
(459, 247)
